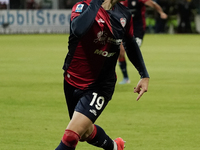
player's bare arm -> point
(157, 7)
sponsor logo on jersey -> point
(79, 8)
(123, 21)
(114, 41)
(102, 38)
(100, 21)
(104, 53)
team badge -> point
(79, 8)
(123, 22)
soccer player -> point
(97, 28)
(138, 10)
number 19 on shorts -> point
(97, 101)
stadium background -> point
(52, 16)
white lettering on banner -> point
(36, 19)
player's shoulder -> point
(123, 8)
(80, 6)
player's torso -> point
(96, 53)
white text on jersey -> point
(104, 53)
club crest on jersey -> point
(123, 21)
(79, 8)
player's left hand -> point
(163, 15)
(141, 87)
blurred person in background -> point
(172, 24)
(185, 13)
(70, 3)
(138, 10)
(160, 25)
(16, 4)
(3, 5)
(46, 4)
(67, 4)
(33, 4)
(197, 17)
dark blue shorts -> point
(90, 102)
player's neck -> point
(108, 4)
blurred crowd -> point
(184, 15)
(4, 4)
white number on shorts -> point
(99, 101)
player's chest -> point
(109, 27)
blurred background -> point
(52, 16)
